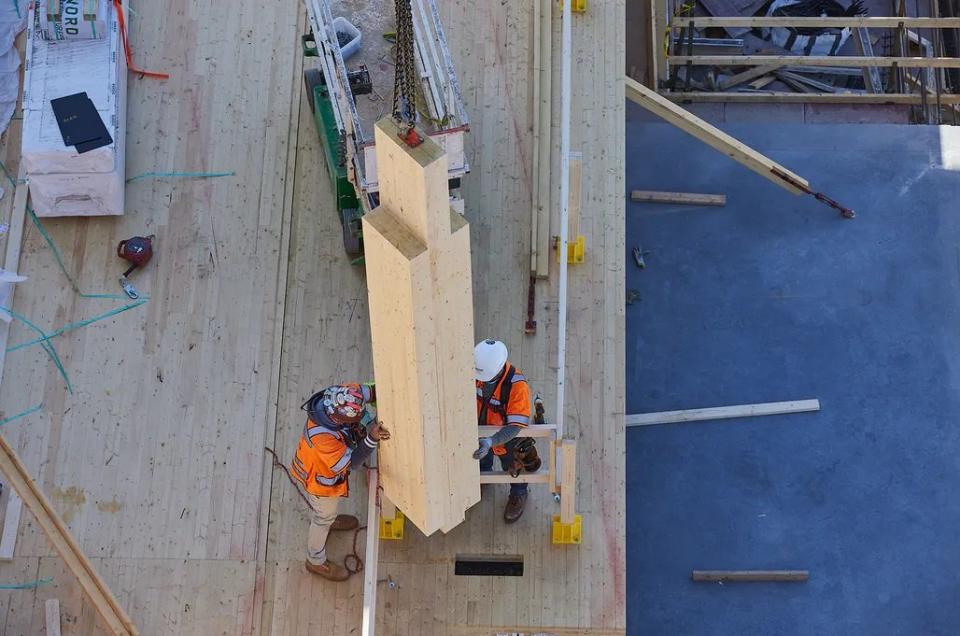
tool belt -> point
(525, 457)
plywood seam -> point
(259, 614)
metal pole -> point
(369, 621)
(565, 97)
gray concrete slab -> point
(774, 297)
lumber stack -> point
(417, 254)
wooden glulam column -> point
(417, 254)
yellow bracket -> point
(576, 250)
(567, 532)
(392, 529)
(576, 6)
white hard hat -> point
(489, 357)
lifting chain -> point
(404, 83)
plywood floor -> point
(155, 459)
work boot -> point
(345, 522)
(514, 509)
(328, 570)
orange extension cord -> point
(126, 47)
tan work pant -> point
(324, 513)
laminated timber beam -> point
(715, 138)
(417, 256)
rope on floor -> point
(51, 352)
(28, 586)
(75, 325)
(32, 409)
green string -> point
(32, 409)
(28, 586)
(59, 258)
(16, 5)
(181, 175)
(43, 341)
(75, 325)
(46, 346)
(13, 182)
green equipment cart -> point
(349, 82)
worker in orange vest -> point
(333, 440)
(503, 399)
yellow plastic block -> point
(576, 250)
(567, 532)
(577, 6)
(392, 529)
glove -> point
(485, 445)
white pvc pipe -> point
(566, 55)
(369, 620)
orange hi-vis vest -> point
(509, 403)
(322, 461)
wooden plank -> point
(503, 477)
(656, 42)
(552, 466)
(11, 526)
(795, 85)
(52, 617)
(568, 480)
(746, 76)
(853, 22)
(371, 557)
(534, 430)
(760, 82)
(775, 97)
(751, 575)
(535, 128)
(714, 137)
(808, 84)
(685, 198)
(575, 195)
(11, 259)
(541, 264)
(814, 60)
(113, 615)
(11, 263)
(722, 412)
(421, 325)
